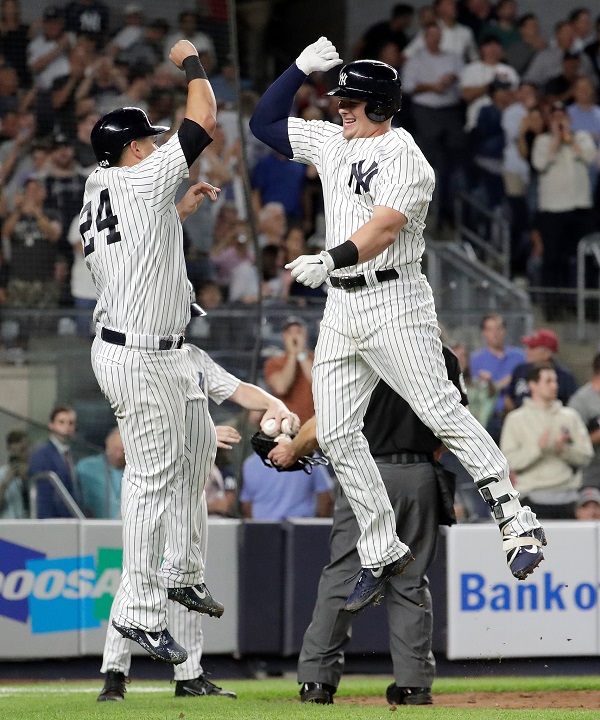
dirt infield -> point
(552, 700)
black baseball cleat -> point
(160, 645)
(524, 552)
(200, 686)
(408, 695)
(371, 583)
(316, 692)
(114, 687)
(198, 598)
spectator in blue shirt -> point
(585, 111)
(100, 478)
(495, 363)
(268, 494)
(277, 179)
(55, 456)
(540, 347)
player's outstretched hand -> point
(227, 435)
(181, 50)
(321, 55)
(193, 198)
(311, 270)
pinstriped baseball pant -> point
(388, 330)
(185, 626)
(170, 445)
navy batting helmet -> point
(376, 82)
(117, 129)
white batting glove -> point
(321, 55)
(311, 270)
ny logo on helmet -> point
(343, 78)
(362, 177)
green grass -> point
(271, 700)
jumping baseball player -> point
(132, 241)
(379, 319)
(219, 385)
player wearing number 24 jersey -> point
(133, 245)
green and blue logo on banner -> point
(57, 594)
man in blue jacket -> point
(55, 456)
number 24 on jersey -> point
(105, 220)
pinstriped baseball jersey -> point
(388, 170)
(386, 329)
(133, 244)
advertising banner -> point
(554, 612)
(45, 589)
(58, 579)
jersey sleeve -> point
(307, 138)
(220, 384)
(157, 178)
(406, 183)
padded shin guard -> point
(501, 497)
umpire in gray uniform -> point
(421, 493)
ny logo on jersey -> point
(363, 177)
(343, 79)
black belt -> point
(118, 338)
(404, 458)
(348, 282)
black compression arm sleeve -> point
(269, 122)
(193, 139)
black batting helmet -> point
(117, 129)
(376, 82)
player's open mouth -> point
(349, 121)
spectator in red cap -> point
(540, 347)
(587, 403)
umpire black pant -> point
(413, 492)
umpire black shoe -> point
(160, 645)
(316, 692)
(370, 586)
(114, 687)
(198, 598)
(201, 686)
(408, 695)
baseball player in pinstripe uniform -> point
(380, 320)
(132, 240)
(219, 385)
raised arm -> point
(200, 118)
(269, 120)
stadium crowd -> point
(500, 111)
(547, 426)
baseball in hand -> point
(283, 438)
(288, 426)
(269, 427)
